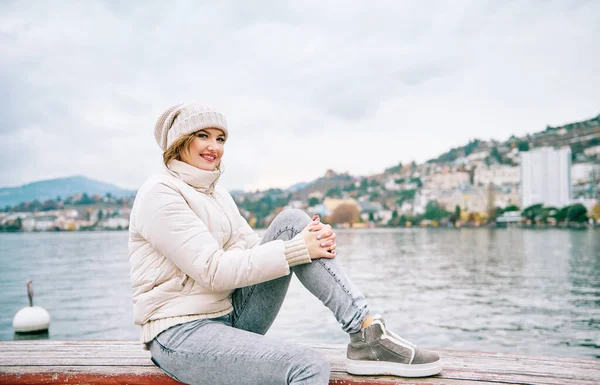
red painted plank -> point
(85, 378)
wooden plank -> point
(102, 378)
(109, 347)
(107, 362)
(488, 366)
(140, 357)
(91, 375)
(132, 376)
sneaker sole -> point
(383, 368)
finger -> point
(333, 247)
(316, 218)
(315, 226)
(330, 255)
(324, 234)
(326, 244)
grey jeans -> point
(232, 349)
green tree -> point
(562, 214)
(511, 208)
(334, 192)
(396, 168)
(577, 213)
(12, 226)
(495, 154)
(471, 146)
(313, 201)
(403, 220)
(455, 215)
(548, 212)
(523, 146)
(434, 212)
(85, 200)
(417, 181)
(532, 212)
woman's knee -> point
(315, 369)
(294, 217)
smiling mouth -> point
(209, 158)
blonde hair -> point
(179, 147)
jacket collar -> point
(203, 181)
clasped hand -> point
(319, 239)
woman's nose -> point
(212, 144)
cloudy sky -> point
(355, 86)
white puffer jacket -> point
(189, 248)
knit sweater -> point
(189, 248)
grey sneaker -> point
(377, 351)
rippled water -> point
(526, 291)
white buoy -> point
(31, 319)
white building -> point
(478, 157)
(497, 174)
(546, 176)
(592, 151)
(448, 181)
(116, 223)
(583, 172)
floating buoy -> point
(31, 319)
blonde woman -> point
(206, 288)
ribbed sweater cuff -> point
(296, 252)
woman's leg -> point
(257, 306)
(212, 352)
(373, 350)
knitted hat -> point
(182, 119)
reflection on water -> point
(513, 290)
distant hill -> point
(578, 136)
(63, 187)
(297, 186)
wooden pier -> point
(125, 362)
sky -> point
(353, 86)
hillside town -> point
(550, 178)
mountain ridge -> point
(63, 187)
(578, 135)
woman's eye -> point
(202, 136)
(222, 140)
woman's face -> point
(206, 150)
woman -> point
(206, 288)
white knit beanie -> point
(182, 119)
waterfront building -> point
(546, 176)
(497, 174)
(448, 180)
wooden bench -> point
(125, 362)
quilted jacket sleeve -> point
(166, 221)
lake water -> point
(513, 290)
